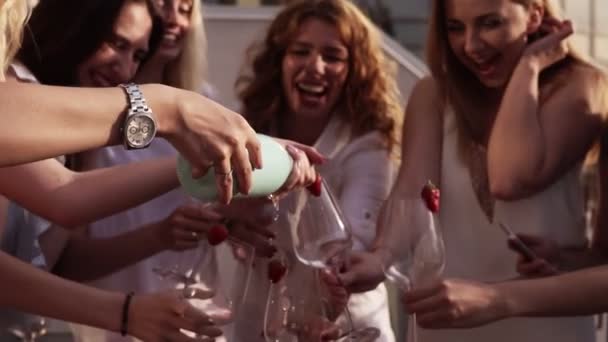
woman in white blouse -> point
(333, 91)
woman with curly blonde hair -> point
(320, 78)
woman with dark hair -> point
(50, 112)
(51, 50)
(167, 222)
(110, 57)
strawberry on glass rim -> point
(430, 195)
(316, 187)
(276, 270)
(217, 234)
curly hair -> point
(370, 97)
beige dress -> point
(477, 249)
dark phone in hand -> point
(519, 246)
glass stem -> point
(412, 332)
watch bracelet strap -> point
(137, 102)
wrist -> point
(164, 102)
(109, 312)
(507, 303)
(383, 256)
(528, 65)
(125, 313)
(159, 237)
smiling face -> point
(489, 36)
(315, 68)
(176, 16)
(118, 58)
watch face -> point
(140, 130)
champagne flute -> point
(322, 239)
(222, 271)
(175, 266)
(294, 311)
(32, 328)
(412, 241)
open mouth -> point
(486, 67)
(312, 90)
(170, 38)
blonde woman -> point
(503, 126)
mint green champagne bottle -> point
(276, 161)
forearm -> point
(85, 259)
(516, 148)
(41, 122)
(577, 293)
(28, 289)
(115, 189)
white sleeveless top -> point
(477, 249)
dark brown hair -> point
(61, 34)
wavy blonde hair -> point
(370, 98)
(13, 16)
(189, 70)
(463, 92)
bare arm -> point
(66, 197)
(31, 290)
(531, 145)
(152, 317)
(420, 162)
(41, 121)
(421, 141)
(85, 258)
(455, 303)
(577, 293)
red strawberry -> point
(276, 270)
(217, 235)
(316, 187)
(430, 195)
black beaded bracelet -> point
(124, 325)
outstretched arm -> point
(152, 317)
(70, 198)
(467, 304)
(39, 122)
(420, 162)
(85, 258)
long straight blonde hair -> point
(189, 70)
(464, 93)
(13, 16)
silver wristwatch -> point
(139, 127)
